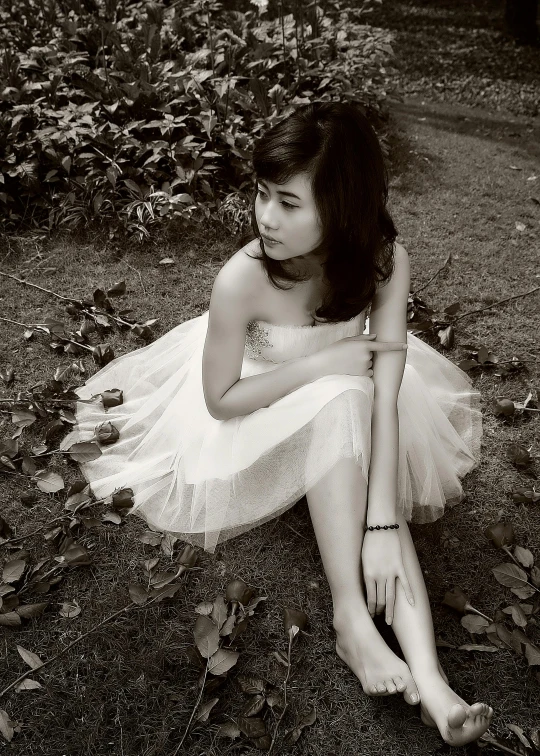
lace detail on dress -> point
(278, 343)
(256, 339)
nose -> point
(267, 219)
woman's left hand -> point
(382, 565)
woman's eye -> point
(286, 205)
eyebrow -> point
(285, 194)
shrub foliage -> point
(131, 112)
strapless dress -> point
(207, 480)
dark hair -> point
(335, 144)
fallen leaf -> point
(70, 609)
(150, 538)
(33, 660)
(205, 709)
(228, 730)
(13, 570)
(204, 608)
(520, 733)
(219, 611)
(222, 660)
(29, 611)
(474, 623)
(523, 593)
(6, 725)
(524, 556)
(253, 706)
(279, 656)
(500, 533)
(28, 684)
(206, 636)
(518, 615)
(252, 686)
(510, 575)
(137, 593)
(532, 653)
(475, 647)
(113, 517)
(10, 619)
(48, 481)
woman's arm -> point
(388, 319)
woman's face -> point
(287, 213)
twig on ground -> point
(501, 301)
(197, 702)
(60, 653)
(443, 266)
(66, 299)
(274, 736)
(35, 286)
(139, 274)
(51, 522)
(496, 744)
(84, 635)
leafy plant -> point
(131, 114)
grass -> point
(128, 689)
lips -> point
(269, 238)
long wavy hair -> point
(336, 146)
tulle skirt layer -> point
(207, 480)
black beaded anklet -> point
(383, 527)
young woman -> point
(277, 391)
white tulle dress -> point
(207, 480)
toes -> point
(411, 694)
(381, 687)
(400, 685)
(487, 711)
(479, 709)
(457, 715)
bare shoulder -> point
(243, 268)
(243, 272)
(398, 283)
(401, 272)
(400, 253)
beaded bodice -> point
(278, 343)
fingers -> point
(371, 595)
(390, 598)
(407, 588)
(388, 346)
(381, 596)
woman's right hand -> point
(352, 355)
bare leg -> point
(337, 505)
(457, 722)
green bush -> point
(128, 113)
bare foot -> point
(379, 670)
(442, 708)
(442, 673)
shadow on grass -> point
(459, 119)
